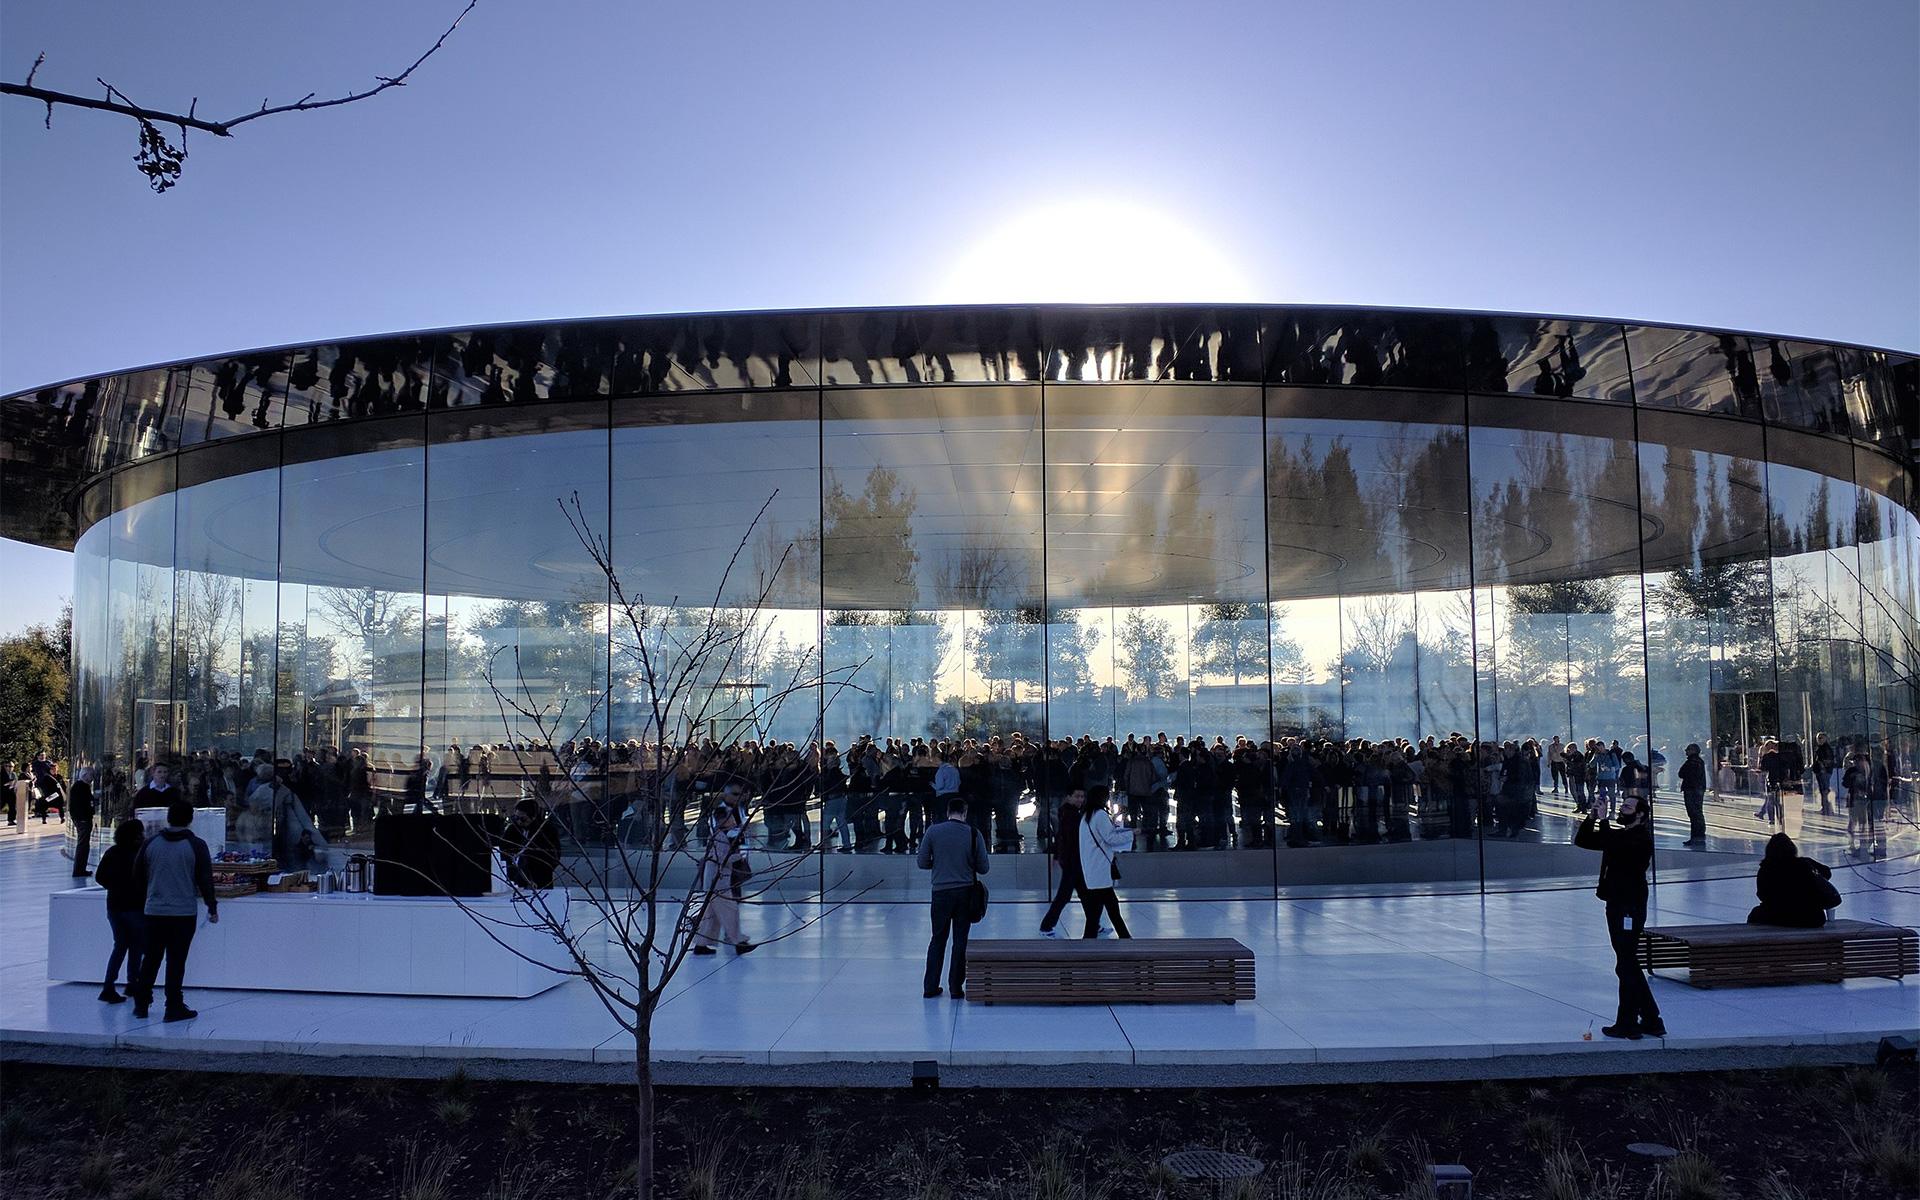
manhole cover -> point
(1652, 1150)
(1212, 1164)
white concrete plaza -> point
(1350, 987)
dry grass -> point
(266, 1166)
(1694, 1177)
(1890, 1151)
(96, 1172)
(428, 1175)
(518, 1182)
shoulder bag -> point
(977, 891)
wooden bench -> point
(1117, 971)
(1743, 955)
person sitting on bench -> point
(1794, 892)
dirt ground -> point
(1851, 1134)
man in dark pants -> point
(1066, 858)
(955, 852)
(1626, 851)
(175, 871)
(80, 802)
(1693, 790)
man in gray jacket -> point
(175, 870)
(955, 852)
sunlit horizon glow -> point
(1100, 250)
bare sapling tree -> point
(630, 890)
(160, 159)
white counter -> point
(304, 942)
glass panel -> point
(1710, 630)
(1152, 344)
(142, 725)
(1880, 399)
(516, 613)
(1800, 385)
(136, 422)
(1157, 590)
(716, 539)
(94, 684)
(931, 575)
(930, 346)
(45, 440)
(228, 396)
(749, 351)
(1685, 368)
(352, 621)
(1889, 583)
(1369, 561)
(1812, 504)
(1316, 347)
(1557, 533)
(225, 655)
(352, 380)
(1545, 357)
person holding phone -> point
(1626, 852)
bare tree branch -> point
(159, 159)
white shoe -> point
(1050, 933)
(1102, 932)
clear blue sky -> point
(1754, 165)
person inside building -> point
(531, 846)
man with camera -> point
(1626, 852)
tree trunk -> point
(643, 1111)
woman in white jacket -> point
(1100, 840)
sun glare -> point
(1093, 250)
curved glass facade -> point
(1396, 541)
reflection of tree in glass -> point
(1070, 646)
(209, 608)
(1145, 654)
(1230, 641)
(868, 551)
(386, 625)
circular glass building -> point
(1395, 541)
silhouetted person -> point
(1794, 892)
(1626, 852)
(1693, 792)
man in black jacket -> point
(1626, 851)
(80, 804)
(1693, 790)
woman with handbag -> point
(722, 869)
(1100, 841)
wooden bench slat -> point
(1744, 955)
(1117, 971)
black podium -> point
(434, 854)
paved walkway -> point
(1417, 986)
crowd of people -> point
(878, 795)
